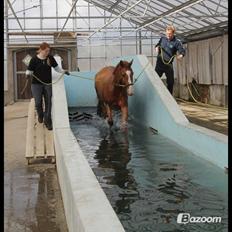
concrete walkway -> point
(211, 117)
(32, 197)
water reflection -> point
(113, 156)
(33, 201)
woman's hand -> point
(157, 49)
(179, 57)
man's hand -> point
(67, 73)
(179, 57)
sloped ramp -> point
(39, 140)
(152, 105)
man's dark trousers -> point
(168, 70)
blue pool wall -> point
(80, 90)
(153, 106)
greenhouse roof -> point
(193, 19)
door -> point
(20, 68)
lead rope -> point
(26, 83)
(54, 82)
(82, 77)
(162, 56)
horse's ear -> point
(131, 62)
(121, 63)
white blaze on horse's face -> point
(130, 90)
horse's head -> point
(124, 76)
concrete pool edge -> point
(85, 203)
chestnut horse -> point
(113, 86)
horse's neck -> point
(116, 76)
(118, 91)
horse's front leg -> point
(124, 110)
(110, 115)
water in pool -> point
(149, 179)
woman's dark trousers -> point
(39, 91)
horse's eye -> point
(123, 74)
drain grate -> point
(78, 116)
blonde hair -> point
(171, 28)
(43, 46)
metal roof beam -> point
(157, 24)
(35, 6)
(125, 17)
(218, 5)
(112, 20)
(225, 8)
(198, 10)
(134, 21)
(114, 5)
(6, 21)
(67, 19)
(17, 19)
(210, 10)
(219, 26)
(170, 12)
(76, 13)
(188, 13)
(171, 5)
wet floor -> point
(32, 200)
(32, 196)
(149, 180)
(209, 116)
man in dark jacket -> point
(167, 47)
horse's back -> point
(104, 78)
(104, 73)
(104, 83)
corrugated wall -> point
(207, 62)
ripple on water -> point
(149, 180)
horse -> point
(113, 85)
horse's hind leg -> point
(110, 115)
(99, 108)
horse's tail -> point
(101, 109)
(100, 106)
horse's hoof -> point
(123, 127)
(110, 123)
